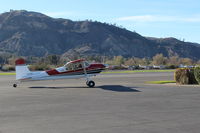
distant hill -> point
(34, 34)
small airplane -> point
(71, 70)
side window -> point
(75, 66)
(78, 66)
(86, 64)
(70, 67)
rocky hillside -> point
(34, 34)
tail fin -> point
(21, 68)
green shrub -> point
(197, 74)
(185, 76)
(192, 79)
(181, 76)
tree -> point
(118, 60)
(11, 61)
(159, 59)
(145, 61)
(5, 57)
(186, 61)
(53, 59)
(174, 60)
(138, 61)
(130, 62)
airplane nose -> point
(97, 66)
(103, 66)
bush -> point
(185, 76)
(192, 79)
(8, 68)
(197, 74)
(181, 76)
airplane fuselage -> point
(71, 70)
(61, 73)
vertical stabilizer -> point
(21, 68)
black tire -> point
(15, 85)
(90, 83)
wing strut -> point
(89, 82)
(85, 72)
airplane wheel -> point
(90, 83)
(14, 85)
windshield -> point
(74, 66)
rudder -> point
(21, 68)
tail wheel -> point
(15, 85)
(90, 83)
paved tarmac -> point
(120, 103)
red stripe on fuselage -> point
(52, 72)
(91, 67)
(96, 66)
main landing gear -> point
(90, 83)
(15, 85)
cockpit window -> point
(74, 66)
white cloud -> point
(159, 18)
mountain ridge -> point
(27, 33)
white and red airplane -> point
(71, 70)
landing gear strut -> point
(90, 83)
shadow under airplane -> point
(117, 88)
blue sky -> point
(155, 18)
